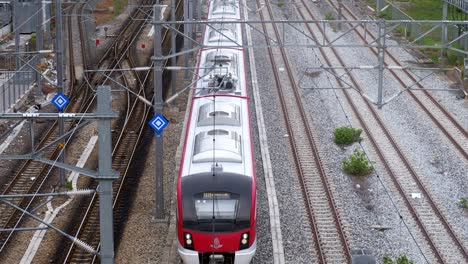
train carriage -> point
(216, 190)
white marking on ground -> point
(15, 132)
(11, 137)
(151, 32)
(51, 212)
(275, 225)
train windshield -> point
(216, 205)
(220, 203)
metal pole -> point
(46, 13)
(443, 51)
(340, 6)
(377, 7)
(59, 55)
(158, 106)
(105, 176)
(186, 18)
(199, 18)
(16, 28)
(173, 49)
(191, 26)
(381, 52)
(39, 45)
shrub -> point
(402, 259)
(32, 42)
(387, 260)
(357, 164)
(329, 16)
(69, 185)
(463, 202)
(347, 135)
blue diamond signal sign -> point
(158, 123)
(60, 101)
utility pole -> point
(443, 50)
(158, 107)
(173, 48)
(186, 33)
(378, 7)
(39, 45)
(59, 57)
(200, 26)
(105, 176)
(340, 15)
(381, 57)
(16, 28)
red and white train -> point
(216, 188)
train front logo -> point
(216, 244)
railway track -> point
(81, 100)
(331, 244)
(21, 182)
(439, 242)
(131, 130)
(448, 125)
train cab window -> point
(227, 146)
(208, 115)
(222, 33)
(224, 7)
(221, 206)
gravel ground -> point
(368, 205)
(294, 224)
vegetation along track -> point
(448, 125)
(331, 244)
(440, 243)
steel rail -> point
(21, 182)
(425, 108)
(320, 242)
(136, 126)
(394, 179)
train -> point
(216, 185)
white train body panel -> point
(223, 34)
(232, 149)
(224, 9)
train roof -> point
(222, 72)
(223, 34)
(219, 133)
(224, 9)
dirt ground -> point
(103, 12)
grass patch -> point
(463, 202)
(329, 16)
(347, 135)
(69, 185)
(402, 259)
(357, 164)
(119, 6)
(32, 42)
(424, 9)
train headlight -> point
(244, 243)
(188, 241)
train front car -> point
(216, 189)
